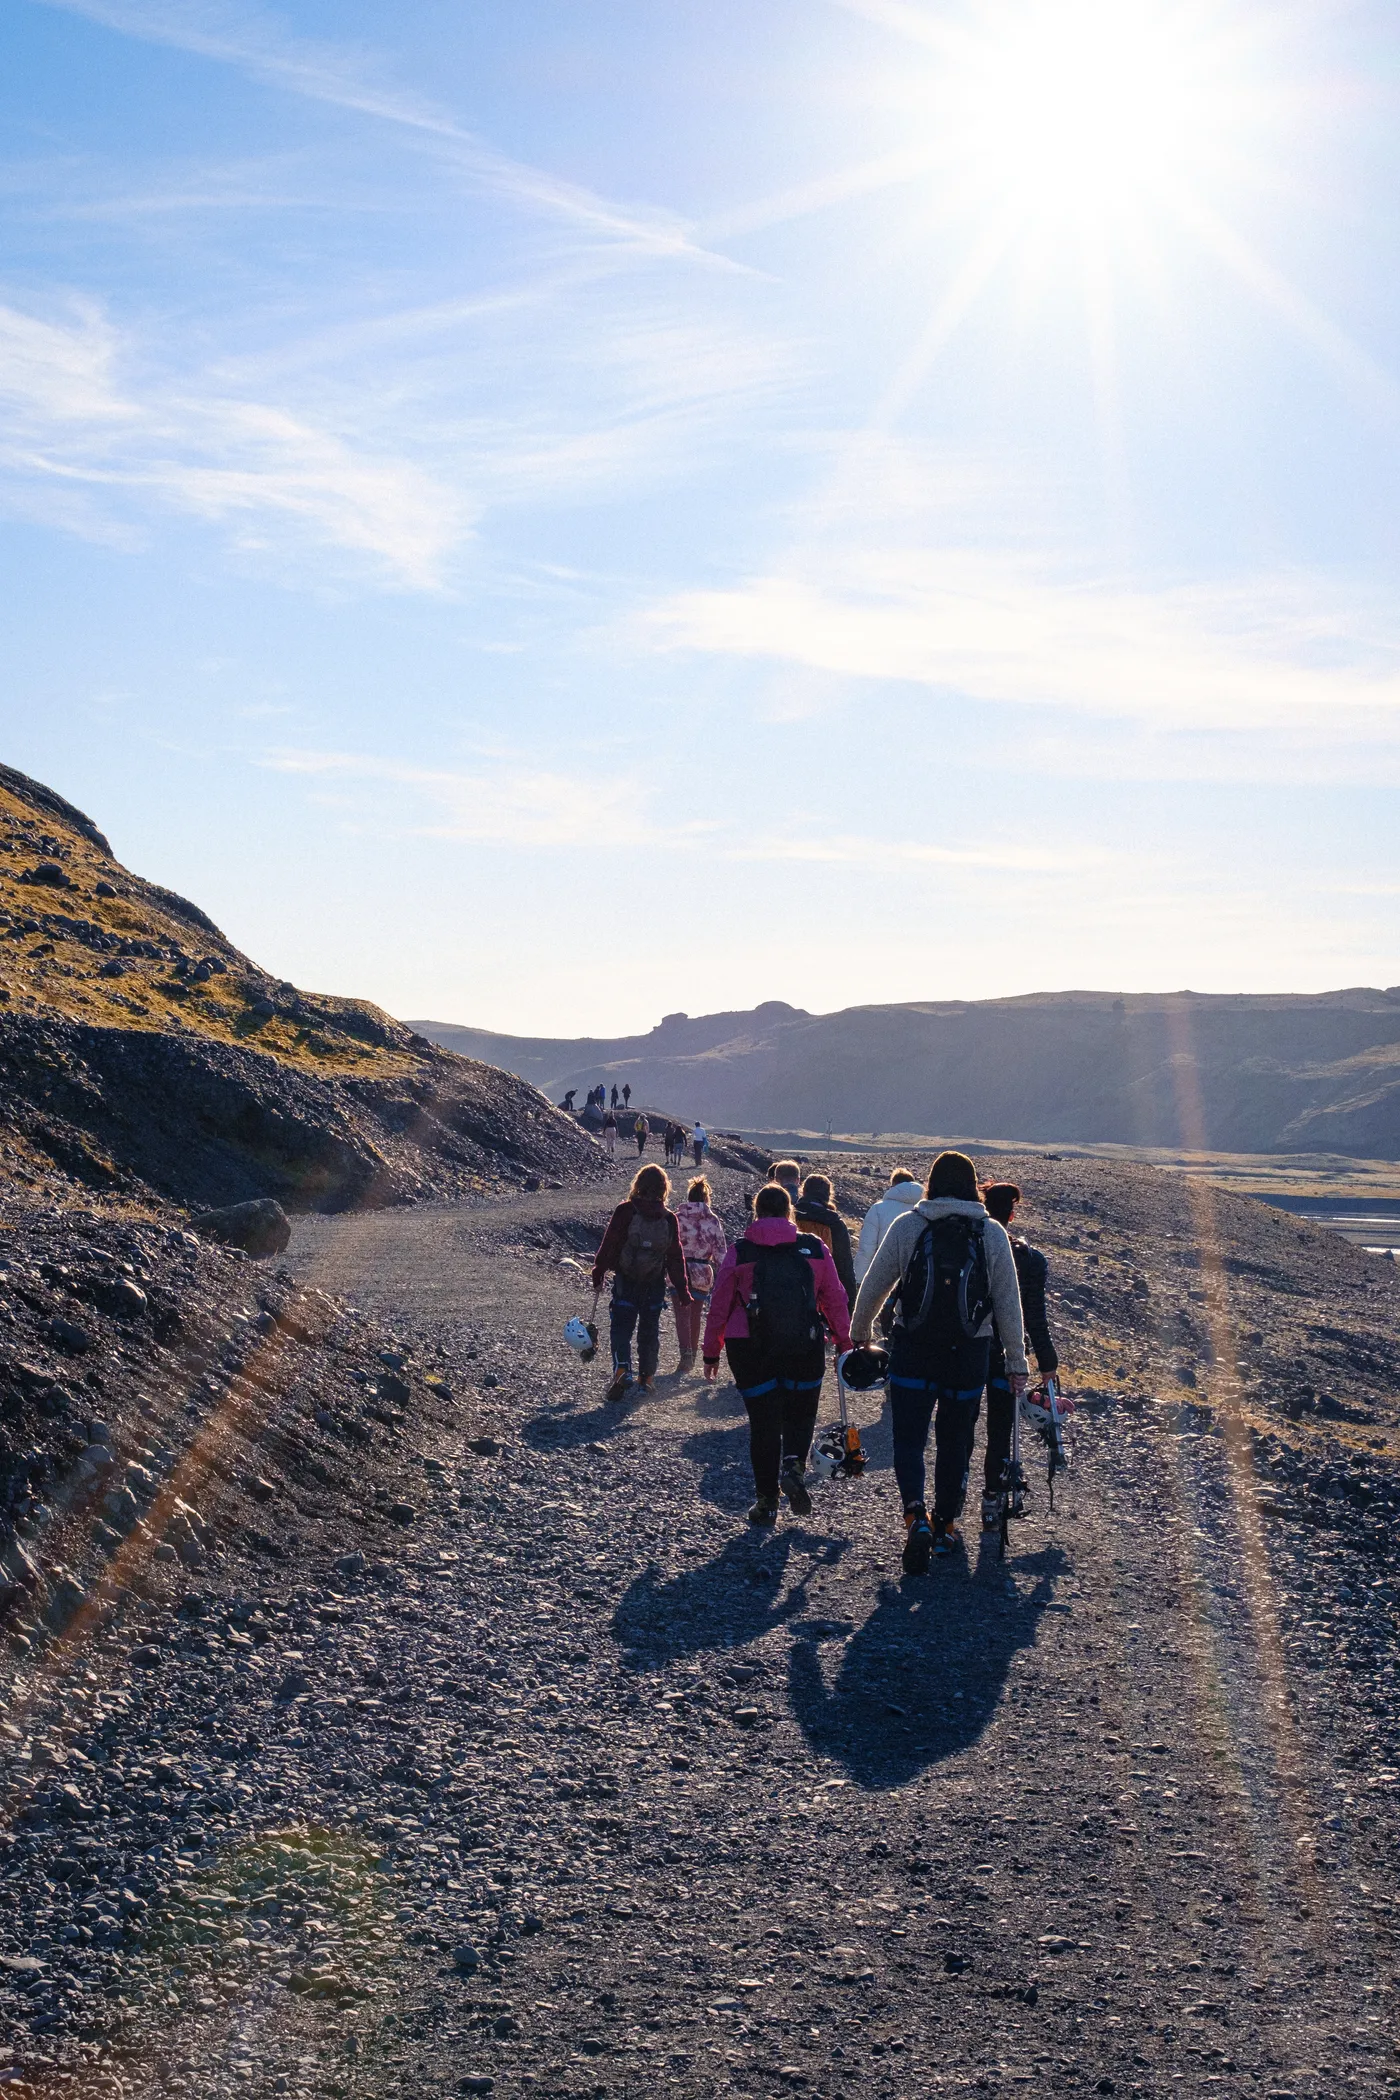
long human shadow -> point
(733, 1599)
(923, 1676)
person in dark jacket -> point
(1032, 1271)
(641, 1249)
(816, 1212)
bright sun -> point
(1071, 114)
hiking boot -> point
(648, 1384)
(764, 1510)
(686, 1364)
(794, 1487)
(618, 1383)
(918, 1540)
(946, 1538)
(991, 1512)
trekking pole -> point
(1058, 1460)
(1011, 1505)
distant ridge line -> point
(1272, 1072)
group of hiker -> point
(936, 1272)
(598, 1098)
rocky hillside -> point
(140, 1052)
(1285, 1073)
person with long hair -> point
(704, 1247)
(641, 1249)
(816, 1212)
(956, 1276)
(776, 1295)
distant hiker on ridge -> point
(627, 1097)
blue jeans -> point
(914, 1403)
(642, 1315)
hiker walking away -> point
(613, 1103)
(788, 1175)
(776, 1293)
(641, 1131)
(904, 1191)
(816, 1212)
(704, 1246)
(610, 1134)
(627, 1097)
(956, 1275)
(1032, 1269)
(699, 1139)
(641, 1248)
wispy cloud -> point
(852, 850)
(74, 424)
(260, 45)
(510, 800)
(1001, 628)
(505, 803)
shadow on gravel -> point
(563, 1429)
(735, 1598)
(723, 1458)
(925, 1673)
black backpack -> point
(946, 1295)
(782, 1304)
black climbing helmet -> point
(863, 1370)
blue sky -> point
(548, 515)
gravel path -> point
(750, 1810)
(489, 1750)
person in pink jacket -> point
(776, 1297)
(703, 1244)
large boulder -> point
(260, 1228)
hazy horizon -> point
(547, 511)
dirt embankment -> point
(142, 1054)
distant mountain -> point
(1239, 1073)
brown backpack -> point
(642, 1260)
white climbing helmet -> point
(582, 1338)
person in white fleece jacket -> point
(937, 1373)
(903, 1193)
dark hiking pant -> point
(1001, 1413)
(639, 1314)
(914, 1404)
(781, 1397)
